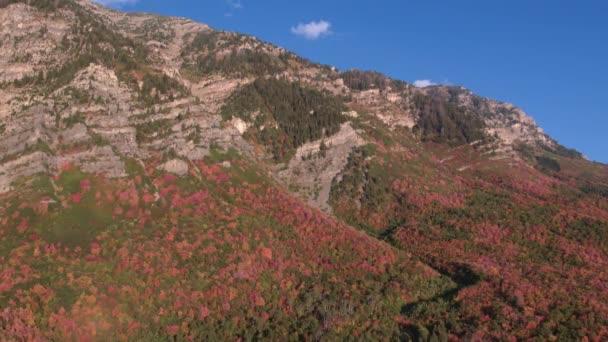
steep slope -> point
(527, 248)
(154, 173)
(219, 253)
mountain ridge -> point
(107, 14)
(523, 128)
(160, 179)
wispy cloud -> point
(115, 2)
(312, 30)
(234, 4)
(423, 83)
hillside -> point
(161, 179)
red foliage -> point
(76, 198)
(95, 248)
(267, 253)
(85, 185)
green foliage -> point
(238, 62)
(70, 180)
(364, 80)
(563, 151)
(79, 95)
(156, 29)
(72, 120)
(40, 145)
(445, 122)
(152, 129)
(526, 152)
(202, 41)
(596, 189)
(78, 225)
(241, 63)
(99, 140)
(354, 175)
(195, 135)
(366, 185)
(323, 149)
(154, 85)
(285, 114)
(547, 164)
(586, 229)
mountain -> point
(161, 179)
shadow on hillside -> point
(463, 275)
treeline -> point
(285, 114)
(210, 56)
(202, 42)
(365, 80)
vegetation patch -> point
(365, 80)
(445, 122)
(285, 114)
(233, 54)
(74, 119)
(547, 164)
(148, 131)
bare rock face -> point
(214, 90)
(104, 83)
(516, 127)
(96, 119)
(175, 166)
(311, 171)
(100, 160)
(393, 108)
(240, 125)
(508, 122)
(30, 41)
(24, 166)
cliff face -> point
(237, 169)
(65, 101)
(79, 77)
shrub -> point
(547, 164)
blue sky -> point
(550, 57)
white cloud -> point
(423, 83)
(115, 2)
(312, 30)
(235, 4)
